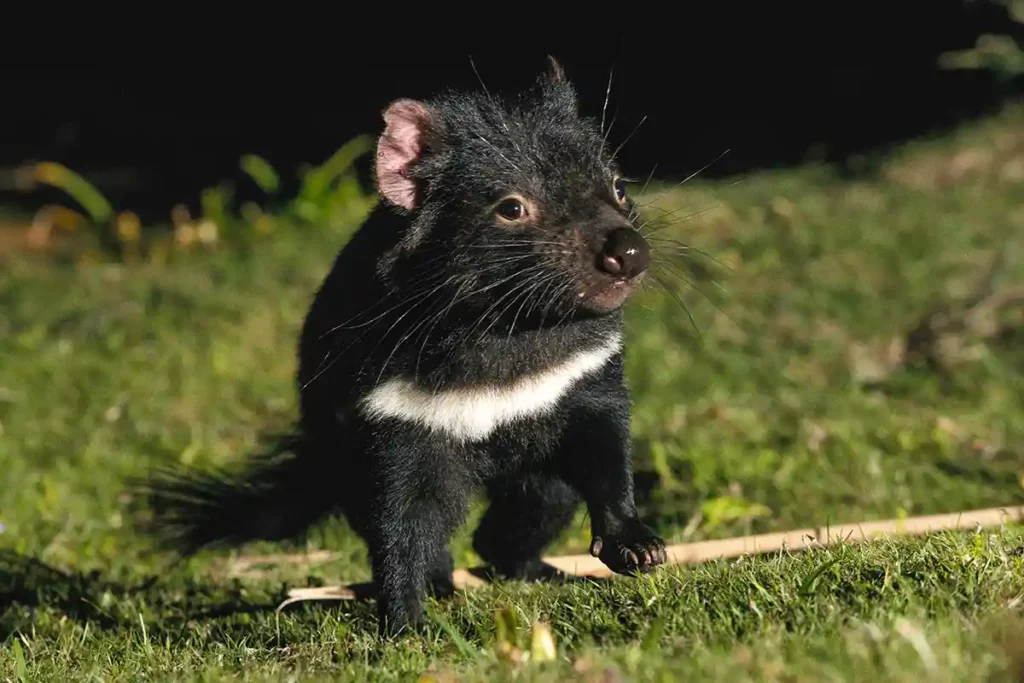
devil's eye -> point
(620, 189)
(511, 209)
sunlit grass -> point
(794, 406)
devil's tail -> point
(277, 495)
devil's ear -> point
(407, 126)
(557, 89)
(555, 71)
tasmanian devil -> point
(468, 338)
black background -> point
(152, 131)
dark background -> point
(152, 131)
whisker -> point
(503, 297)
(687, 249)
(437, 319)
(499, 153)
(522, 290)
(472, 65)
(325, 368)
(572, 309)
(648, 181)
(555, 298)
(633, 132)
(703, 168)
(680, 219)
(607, 95)
(345, 325)
(679, 300)
(670, 269)
(422, 321)
(421, 292)
(682, 275)
(526, 300)
(677, 273)
(615, 115)
(513, 244)
(542, 295)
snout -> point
(616, 260)
(625, 254)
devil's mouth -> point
(608, 293)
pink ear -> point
(406, 124)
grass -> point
(790, 409)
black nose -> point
(625, 254)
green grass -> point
(766, 421)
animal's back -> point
(346, 311)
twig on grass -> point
(704, 551)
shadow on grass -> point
(29, 586)
(176, 606)
(27, 583)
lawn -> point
(796, 396)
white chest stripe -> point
(472, 414)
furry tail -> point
(278, 495)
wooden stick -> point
(703, 551)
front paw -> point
(637, 549)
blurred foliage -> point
(329, 194)
(329, 197)
(114, 233)
(998, 53)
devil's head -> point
(520, 200)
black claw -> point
(638, 551)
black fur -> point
(449, 296)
